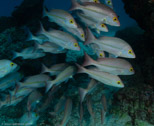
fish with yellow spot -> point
(114, 66)
(61, 17)
(97, 12)
(50, 47)
(109, 3)
(103, 77)
(63, 39)
(7, 66)
(98, 27)
(113, 45)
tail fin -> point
(80, 68)
(89, 37)
(45, 12)
(42, 30)
(49, 84)
(75, 5)
(82, 93)
(88, 60)
(15, 55)
(44, 69)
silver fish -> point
(55, 69)
(114, 66)
(61, 17)
(67, 112)
(7, 66)
(97, 12)
(63, 76)
(113, 45)
(10, 80)
(50, 47)
(35, 81)
(29, 53)
(61, 38)
(106, 78)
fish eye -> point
(82, 35)
(115, 19)
(109, 2)
(101, 54)
(71, 21)
(118, 82)
(76, 44)
(131, 69)
(103, 25)
(130, 52)
(11, 64)
(96, 1)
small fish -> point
(10, 80)
(104, 103)
(103, 77)
(61, 17)
(29, 120)
(63, 76)
(97, 12)
(92, 24)
(109, 3)
(59, 106)
(33, 99)
(76, 32)
(114, 66)
(7, 66)
(36, 81)
(84, 92)
(90, 109)
(55, 69)
(95, 1)
(113, 45)
(29, 53)
(63, 39)
(50, 47)
(67, 112)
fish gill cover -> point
(57, 69)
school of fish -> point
(84, 20)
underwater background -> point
(102, 105)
